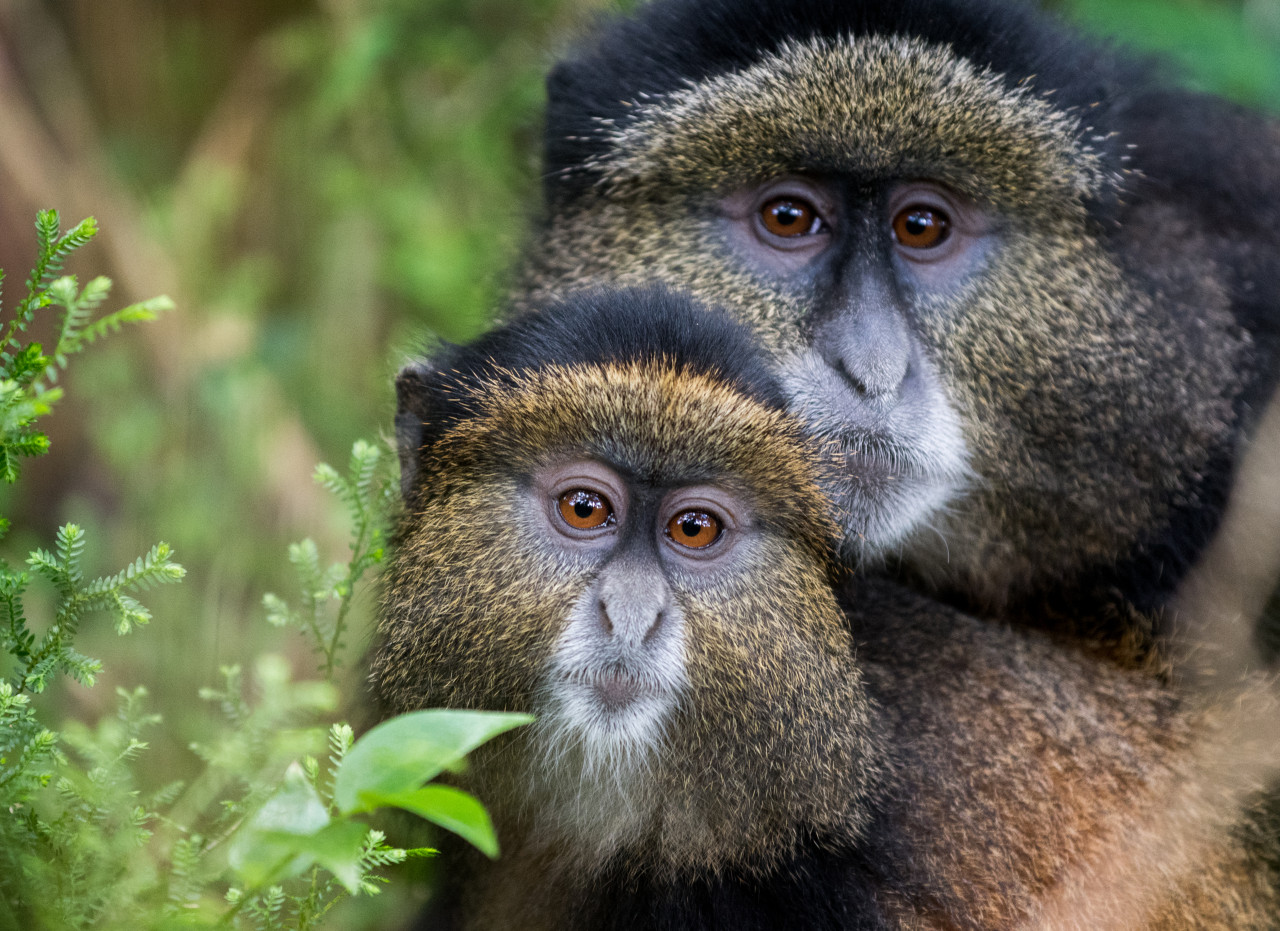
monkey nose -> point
(633, 623)
(869, 345)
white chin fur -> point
(597, 753)
(907, 458)
(610, 737)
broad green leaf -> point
(337, 847)
(401, 754)
(294, 810)
(450, 808)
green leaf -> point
(26, 364)
(338, 847)
(278, 613)
(401, 754)
(257, 853)
(111, 323)
(450, 808)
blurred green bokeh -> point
(1226, 48)
(322, 186)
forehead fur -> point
(871, 107)
(653, 420)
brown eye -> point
(921, 227)
(585, 510)
(790, 216)
(694, 529)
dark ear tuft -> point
(416, 401)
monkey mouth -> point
(887, 491)
(616, 690)
(896, 461)
(611, 697)
(610, 694)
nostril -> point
(851, 378)
(872, 375)
(654, 627)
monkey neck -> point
(710, 802)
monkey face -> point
(930, 250)
(619, 665)
(638, 554)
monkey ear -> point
(418, 408)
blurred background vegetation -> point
(322, 186)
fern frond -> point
(278, 613)
(376, 853)
(365, 457)
(129, 613)
(111, 323)
(77, 332)
(28, 443)
(54, 250)
(66, 244)
(341, 737)
(327, 476)
(45, 564)
(76, 237)
(42, 746)
(166, 795)
(65, 293)
(70, 548)
(306, 560)
(25, 365)
(84, 669)
(146, 572)
(93, 293)
(18, 639)
(47, 229)
(38, 673)
(184, 863)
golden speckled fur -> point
(474, 603)
(970, 775)
(1103, 355)
(1095, 360)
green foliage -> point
(71, 828)
(367, 496)
(388, 767)
(1223, 48)
(26, 373)
(265, 835)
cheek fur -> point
(462, 627)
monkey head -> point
(1023, 301)
(604, 530)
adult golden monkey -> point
(1029, 288)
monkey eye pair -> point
(916, 226)
(583, 509)
(790, 223)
